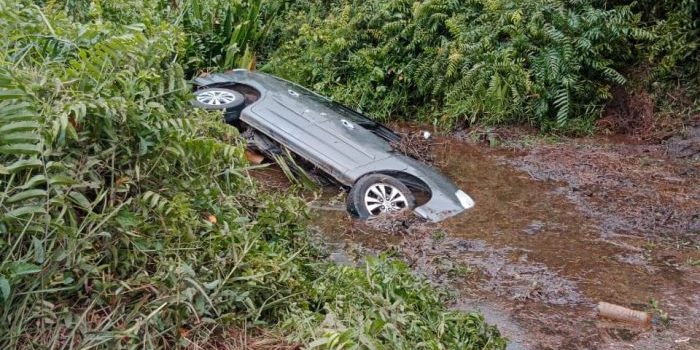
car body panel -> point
(335, 139)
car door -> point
(348, 143)
(339, 139)
(293, 121)
(280, 115)
(309, 126)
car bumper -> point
(442, 206)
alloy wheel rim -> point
(216, 97)
(384, 198)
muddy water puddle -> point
(532, 260)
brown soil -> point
(630, 189)
(645, 113)
(598, 220)
(630, 113)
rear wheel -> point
(378, 194)
(231, 101)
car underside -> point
(345, 146)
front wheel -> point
(378, 194)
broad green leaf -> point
(23, 164)
(28, 210)
(39, 252)
(26, 195)
(36, 180)
(11, 94)
(8, 108)
(127, 219)
(79, 199)
(17, 126)
(17, 115)
(20, 148)
(23, 268)
(4, 287)
(22, 136)
(61, 180)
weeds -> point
(127, 218)
(396, 310)
(658, 315)
(552, 64)
(548, 63)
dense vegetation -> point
(549, 63)
(127, 218)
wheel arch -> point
(418, 187)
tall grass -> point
(225, 34)
(108, 178)
(127, 218)
(215, 34)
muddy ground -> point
(559, 225)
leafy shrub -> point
(106, 194)
(675, 53)
(383, 304)
(676, 28)
(127, 218)
(544, 62)
(667, 68)
(217, 34)
(222, 34)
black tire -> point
(356, 203)
(233, 102)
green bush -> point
(127, 218)
(674, 55)
(549, 63)
(108, 178)
(674, 52)
(217, 34)
(384, 305)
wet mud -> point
(556, 229)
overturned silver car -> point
(346, 146)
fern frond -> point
(562, 103)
